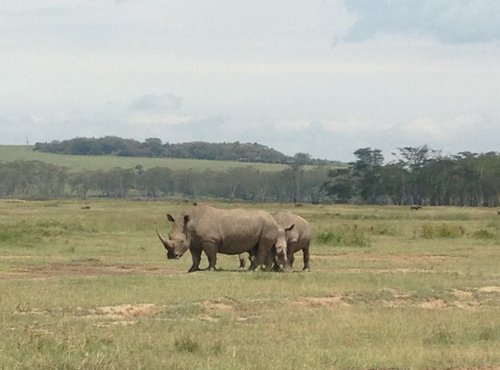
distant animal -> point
(415, 207)
(498, 212)
(203, 228)
(297, 234)
(85, 207)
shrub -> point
(351, 236)
(483, 234)
(440, 335)
(430, 231)
(186, 344)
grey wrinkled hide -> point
(298, 238)
(227, 231)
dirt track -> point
(55, 270)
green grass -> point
(92, 289)
(10, 153)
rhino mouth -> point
(171, 255)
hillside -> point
(25, 173)
(155, 148)
(76, 163)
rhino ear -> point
(290, 227)
(170, 218)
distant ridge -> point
(155, 148)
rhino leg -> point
(196, 257)
(273, 260)
(291, 260)
(291, 254)
(264, 256)
(305, 251)
(211, 252)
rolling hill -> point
(10, 153)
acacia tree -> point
(340, 186)
(414, 161)
(367, 172)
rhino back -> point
(234, 231)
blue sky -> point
(325, 77)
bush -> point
(186, 344)
(351, 236)
(430, 231)
(483, 234)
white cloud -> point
(157, 119)
(447, 21)
(419, 72)
(167, 102)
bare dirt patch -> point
(396, 270)
(385, 258)
(92, 269)
(219, 304)
(433, 304)
(489, 289)
(462, 294)
(391, 298)
(328, 301)
(123, 314)
(125, 311)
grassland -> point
(389, 288)
(10, 153)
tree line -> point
(153, 147)
(418, 176)
(38, 180)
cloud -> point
(453, 22)
(157, 103)
(401, 73)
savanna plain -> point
(86, 285)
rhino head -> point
(177, 242)
(281, 244)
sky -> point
(323, 77)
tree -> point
(414, 160)
(156, 181)
(341, 186)
(367, 170)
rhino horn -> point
(166, 242)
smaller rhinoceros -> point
(296, 233)
(278, 252)
(298, 236)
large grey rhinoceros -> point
(228, 231)
(297, 234)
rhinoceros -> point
(278, 251)
(298, 236)
(228, 231)
(297, 233)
